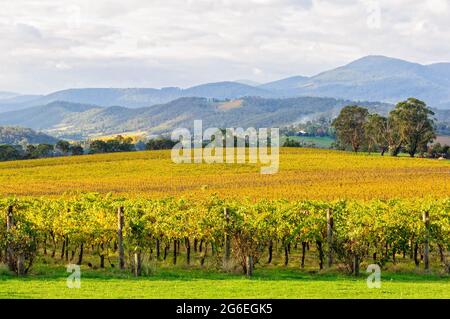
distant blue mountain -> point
(7, 95)
(293, 83)
(137, 97)
(372, 78)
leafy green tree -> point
(376, 130)
(30, 151)
(350, 126)
(118, 144)
(160, 144)
(39, 151)
(123, 144)
(44, 150)
(438, 150)
(98, 146)
(291, 143)
(63, 147)
(77, 150)
(411, 119)
(9, 152)
(395, 141)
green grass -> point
(194, 283)
(319, 142)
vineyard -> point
(304, 174)
(228, 233)
(141, 216)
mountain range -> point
(79, 113)
(372, 78)
(134, 97)
(375, 78)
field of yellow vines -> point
(304, 174)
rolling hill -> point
(71, 120)
(19, 135)
(7, 95)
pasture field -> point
(319, 142)
(182, 283)
(304, 174)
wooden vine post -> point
(9, 249)
(227, 240)
(426, 242)
(249, 266)
(120, 218)
(137, 262)
(330, 237)
(356, 265)
(187, 244)
(175, 254)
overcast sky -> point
(50, 45)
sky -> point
(50, 45)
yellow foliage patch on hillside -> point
(230, 105)
(304, 174)
(135, 136)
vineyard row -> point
(343, 233)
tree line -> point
(409, 127)
(66, 148)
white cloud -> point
(257, 71)
(62, 66)
(439, 7)
(51, 44)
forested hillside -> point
(19, 135)
(77, 121)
